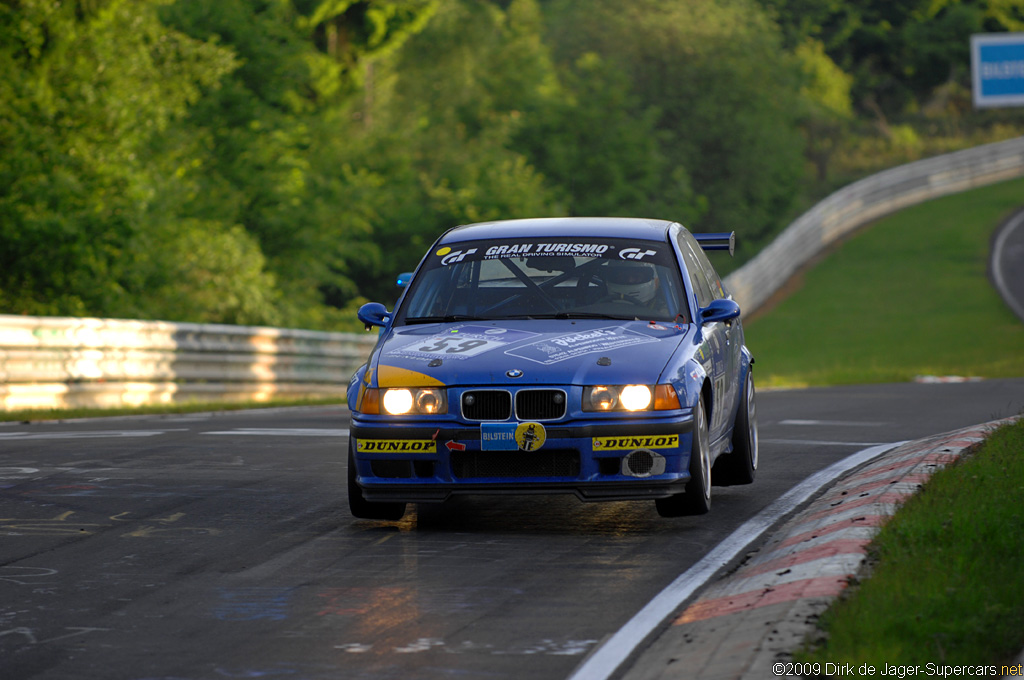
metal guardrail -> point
(864, 201)
(58, 362)
(55, 362)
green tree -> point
(726, 92)
(436, 134)
(209, 273)
(280, 140)
(897, 52)
(828, 112)
(85, 87)
(600, 147)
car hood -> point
(518, 352)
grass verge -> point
(946, 585)
(907, 296)
(190, 407)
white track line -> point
(997, 268)
(280, 432)
(606, 659)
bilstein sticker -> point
(498, 437)
(661, 441)
(512, 436)
(395, 446)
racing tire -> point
(740, 466)
(696, 499)
(362, 508)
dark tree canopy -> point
(278, 161)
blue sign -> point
(498, 436)
(997, 67)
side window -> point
(697, 278)
(714, 283)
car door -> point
(733, 334)
(714, 350)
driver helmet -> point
(632, 280)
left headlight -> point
(604, 398)
(400, 401)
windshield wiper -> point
(446, 319)
(590, 315)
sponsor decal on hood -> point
(558, 348)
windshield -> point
(547, 278)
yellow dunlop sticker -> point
(395, 446)
(643, 441)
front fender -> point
(354, 385)
(693, 379)
(746, 363)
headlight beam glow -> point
(397, 402)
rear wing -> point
(725, 240)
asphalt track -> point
(220, 545)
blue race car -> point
(593, 356)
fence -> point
(55, 362)
(52, 362)
(864, 201)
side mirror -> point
(373, 314)
(719, 310)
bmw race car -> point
(594, 356)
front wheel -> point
(362, 508)
(696, 500)
(740, 466)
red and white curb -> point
(818, 552)
(744, 622)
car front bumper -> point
(605, 460)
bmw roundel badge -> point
(514, 373)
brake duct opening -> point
(643, 463)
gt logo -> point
(635, 253)
(448, 256)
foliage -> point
(212, 273)
(84, 89)
(436, 133)
(725, 92)
(827, 109)
(601, 146)
(897, 52)
(278, 161)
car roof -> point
(607, 227)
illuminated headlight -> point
(629, 398)
(397, 402)
(415, 400)
(616, 398)
(635, 397)
(600, 398)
